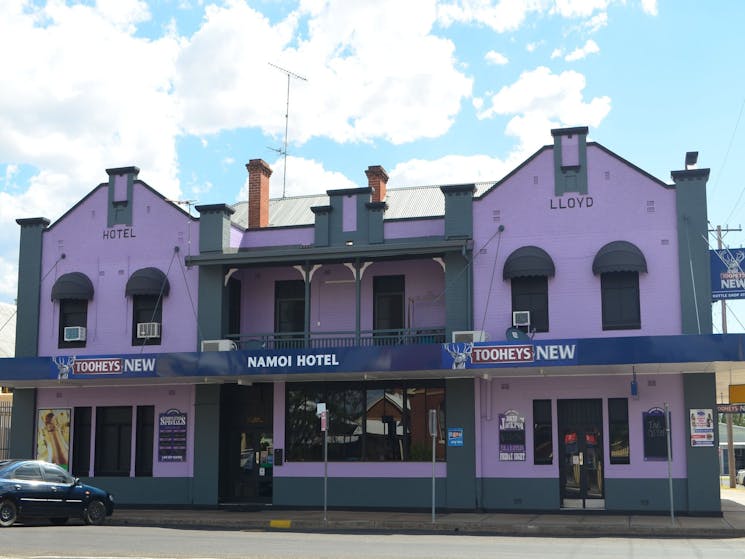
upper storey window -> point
(72, 291)
(619, 264)
(528, 269)
(147, 287)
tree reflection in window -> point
(385, 421)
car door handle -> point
(17, 487)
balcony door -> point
(289, 312)
(388, 308)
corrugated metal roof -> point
(403, 203)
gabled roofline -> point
(105, 185)
(595, 144)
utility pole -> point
(730, 442)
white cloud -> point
(494, 57)
(590, 47)
(556, 53)
(532, 47)
(369, 76)
(448, 170)
(505, 15)
(86, 95)
(649, 7)
(541, 100)
(303, 176)
(596, 22)
(579, 8)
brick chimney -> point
(377, 179)
(258, 193)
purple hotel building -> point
(529, 333)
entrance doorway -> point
(581, 453)
(246, 443)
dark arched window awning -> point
(528, 261)
(619, 256)
(147, 281)
(74, 285)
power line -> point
(283, 151)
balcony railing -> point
(313, 340)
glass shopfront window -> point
(385, 421)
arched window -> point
(72, 291)
(147, 287)
(528, 269)
(618, 264)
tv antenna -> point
(283, 151)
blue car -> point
(38, 489)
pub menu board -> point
(655, 434)
(172, 436)
(511, 437)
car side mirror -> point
(76, 481)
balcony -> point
(314, 340)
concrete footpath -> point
(597, 524)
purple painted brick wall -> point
(500, 394)
(333, 296)
(163, 398)
(157, 228)
(620, 197)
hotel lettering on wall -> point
(119, 233)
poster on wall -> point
(702, 427)
(511, 436)
(172, 436)
(53, 436)
(655, 434)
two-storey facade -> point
(524, 336)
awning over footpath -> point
(720, 353)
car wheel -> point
(8, 513)
(95, 513)
(59, 521)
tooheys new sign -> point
(490, 354)
(727, 277)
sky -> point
(435, 91)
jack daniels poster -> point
(511, 437)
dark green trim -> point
(693, 251)
(214, 227)
(570, 178)
(29, 286)
(520, 493)
(23, 420)
(399, 493)
(458, 210)
(458, 308)
(211, 313)
(149, 491)
(321, 228)
(702, 463)
(647, 495)
(120, 211)
(206, 444)
(321, 254)
(461, 480)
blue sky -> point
(435, 91)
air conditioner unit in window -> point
(469, 336)
(148, 329)
(521, 318)
(74, 333)
(218, 345)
